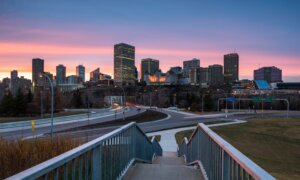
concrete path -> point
(169, 166)
(167, 141)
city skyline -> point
(86, 32)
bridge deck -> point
(167, 167)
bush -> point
(16, 156)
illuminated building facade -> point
(124, 64)
(149, 66)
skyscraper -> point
(187, 65)
(270, 74)
(215, 75)
(149, 66)
(80, 72)
(231, 68)
(60, 74)
(14, 74)
(37, 70)
(13, 78)
(203, 75)
(124, 64)
(95, 75)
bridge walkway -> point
(168, 166)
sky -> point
(73, 32)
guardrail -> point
(218, 158)
(107, 157)
(61, 119)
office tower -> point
(124, 64)
(60, 74)
(270, 74)
(37, 70)
(203, 75)
(80, 72)
(187, 65)
(14, 74)
(13, 79)
(194, 75)
(95, 75)
(72, 79)
(215, 75)
(149, 66)
(231, 68)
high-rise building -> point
(231, 68)
(124, 64)
(187, 65)
(270, 74)
(37, 70)
(215, 75)
(194, 75)
(60, 74)
(14, 74)
(95, 75)
(149, 66)
(72, 79)
(203, 75)
(80, 72)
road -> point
(175, 119)
(20, 130)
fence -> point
(107, 157)
(218, 158)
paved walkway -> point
(167, 141)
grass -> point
(148, 115)
(16, 156)
(182, 134)
(16, 119)
(274, 144)
(157, 137)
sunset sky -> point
(72, 32)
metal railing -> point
(20, 125)
(107, 157)
(218, 158)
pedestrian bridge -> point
(127, 153)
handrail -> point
(219, 159)
(107, 157)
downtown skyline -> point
(84, 33)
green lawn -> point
(157, 137)
(274, 144)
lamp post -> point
(52, 99)
(124, 102)
(226, 100)
(124, 98)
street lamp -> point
(52, 98)
(226, 101)
(124, 101)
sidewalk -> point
(167, 141)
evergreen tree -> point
(20, 103)
(76, 99)
(208, 103)
(29, 96)
(7, 105)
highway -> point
(175, 119)
(22, 129)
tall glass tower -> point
(124, 64)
